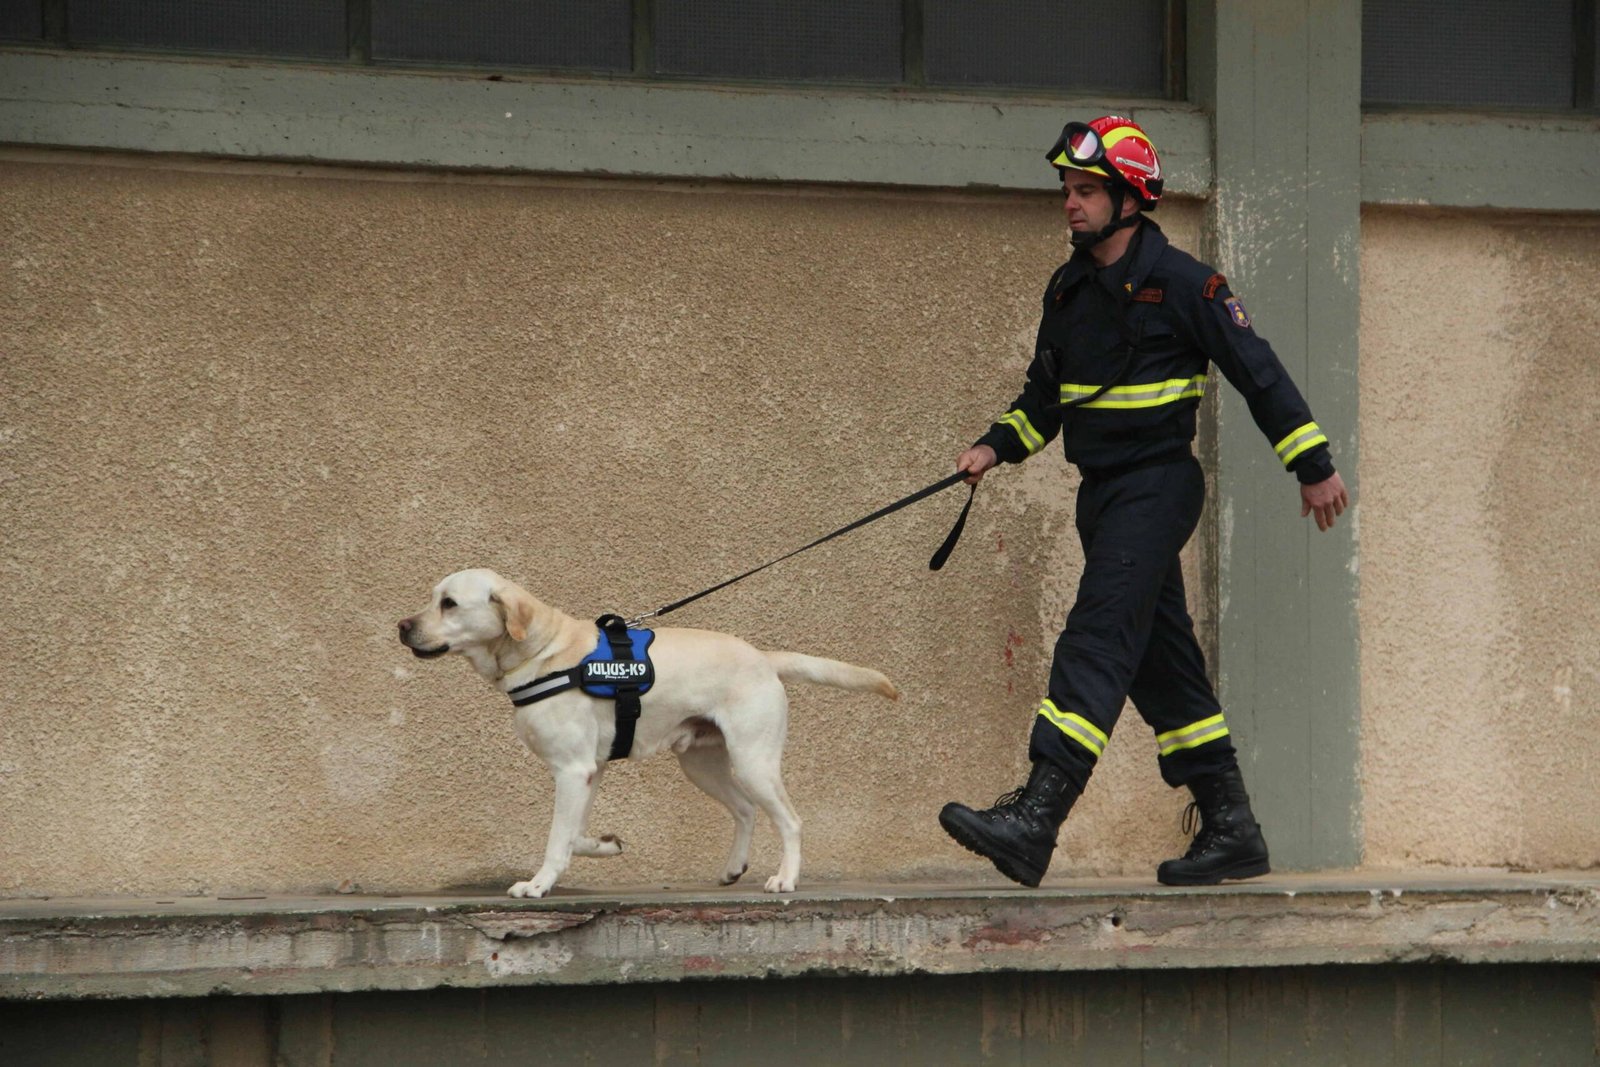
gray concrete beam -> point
(455, 120)
(66, 949)
(1516, 162)
(1285, 229)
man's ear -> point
(518, 606)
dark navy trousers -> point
(1129, 633)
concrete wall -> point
(1332, 1016)
(1480, 537)
(249, 414)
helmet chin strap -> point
(1087, 241)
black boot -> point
(1018, 834)
(1229, 844)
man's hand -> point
(976, 460)
(1326, 499)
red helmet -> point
(1115, 148)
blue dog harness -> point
(619, 669)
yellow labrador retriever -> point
(717, 702)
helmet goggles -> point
(1079, 147)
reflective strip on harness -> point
(1032, 440)
(1308, 436)
(1076, 727)
(1146, 395)
(1193, 735)
(539, 688)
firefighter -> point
(1129, 329)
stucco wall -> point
(249, 415)
(1480, 539)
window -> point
(592, 35)
(21, 22)
(296, 28)
(1130, 47)
(782, 40)
(1123, 47)
(1535, 54)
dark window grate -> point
(557, 34)
(786, 40)
(1133, 47)
(1468, 53)
(21, 20)
(1047, 44)
(297, 28)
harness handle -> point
(935, 563)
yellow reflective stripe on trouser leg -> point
(1076, 727)
(1193, 735)
(1308, 436)
(1031, 439)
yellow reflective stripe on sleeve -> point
(1192, 736)
(1076, 727)
(1145, 395)
(1031, 439)
(1308, 436)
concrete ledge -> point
(259, 110)
(1443, 159)
(193, 947)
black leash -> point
(934, 564)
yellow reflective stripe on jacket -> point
(1076, 727)
(1192, 736)
(1032, 439)
(1146, 395)
(1308, 436)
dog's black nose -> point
(405, 627)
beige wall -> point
(1480, 539)
(249, 415)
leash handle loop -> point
(942, 553)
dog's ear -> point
(518, 606)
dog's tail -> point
(797, 667)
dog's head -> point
(470, 610)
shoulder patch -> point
(1241, 318)
(1213, 283)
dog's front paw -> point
(608, 845)
(777, 884)
(730, 877)
(534, 888)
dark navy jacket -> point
(1179, 317)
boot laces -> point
(1009, 800)
(1195, 823)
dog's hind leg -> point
(707, 767)
(761, 778)
(566, 826)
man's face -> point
(1088, 201)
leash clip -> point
(637, 619)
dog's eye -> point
(445, 604)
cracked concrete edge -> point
(455, 120)
(417, 948)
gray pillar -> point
(1283, 81)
